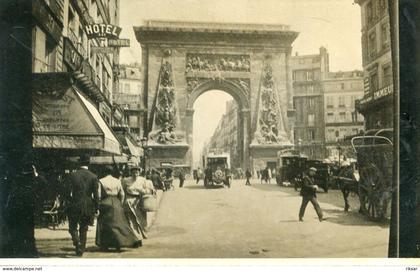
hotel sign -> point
(103, 31)
(119, 43)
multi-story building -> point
(225, 137)
(309, 71)
(73, 84)
(341, 90)
(60, 44)
(130, 97)
(377, 102)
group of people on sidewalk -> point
(117, 203)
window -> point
(44, 51)
(341, 102)
(311, 135)
(372, 44)
(311, 120)
(369, 12)
(330, 102)
(342, 86)
(337, 133)
(373, 82)
(311, 102)
(387, 75)
(309, 75)
(342, 116)
(384, 36)
(127, 88)
(330, 117)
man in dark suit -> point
(82, 200)
(248, 175)
(308, 193)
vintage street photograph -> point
(204, 129)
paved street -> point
(244, 221)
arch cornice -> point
(236, 90)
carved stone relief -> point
(212, 62)
(165, 108)
(269, 128)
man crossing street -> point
(308, 193)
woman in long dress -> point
(113, 229)
(135, 187)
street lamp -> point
(339, 154)
(144, 143)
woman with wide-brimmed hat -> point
(113, 229)
(135, 187)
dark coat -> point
(308, 188)
(248, 174)
(81, 194)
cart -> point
(374, 158)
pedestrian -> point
(308, 193)
(269, 174)
(135, 187)
(157, 180)
(19, 213)
(199, 174)
(113, 230)
(181, 177)
(248, 175)
(82, 200)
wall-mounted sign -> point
(119, 42)
(102, 50)
(103, 30)
(366, 84)
(71, 55)
(385, 91)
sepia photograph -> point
(200, 129)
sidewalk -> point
(61, 232)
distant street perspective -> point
(254, 221)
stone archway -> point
(240, 95)
(182, 60)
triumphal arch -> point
(251, 62)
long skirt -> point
(113, 230)
(137, 218)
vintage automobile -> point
(291, 164)
(217, 170)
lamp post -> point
(144, 143)
(339, 154)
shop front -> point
(66, 125)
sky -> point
(334, 24)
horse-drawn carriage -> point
(291, 164)
(373, 183)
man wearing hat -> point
(308, 193)
(82, 199)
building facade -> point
(225, 136)
(73, 109)
(341, 90)
(308, 73)
(60, 44)
(377, 102)
(130, 97)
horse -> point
(369, 188)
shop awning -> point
(64, 119)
